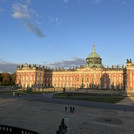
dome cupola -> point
(93, 59)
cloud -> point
(33, 28)
(26, 15)
(8, 67)
(98, 1)
(54, 20)
(65, 1)
(22, 11)
(75, 61)
(28, 1)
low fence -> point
(4, 129)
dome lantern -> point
(93, 59)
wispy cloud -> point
(26, 15)
(54, 20)
(75, 61)
(6, 66)
(28, 1)
(65, 1)
(98, 1)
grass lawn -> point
(22, 92)
(6, 92)
(89, 97)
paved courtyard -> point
(45, 117)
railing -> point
(4, 129)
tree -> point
(1, 79)
(12, 78)
(6, 78)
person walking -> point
(70, 108)
(73, 109)
(65, 109)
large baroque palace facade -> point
(92, 75)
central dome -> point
(93, 59)
(93, 54)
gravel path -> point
(35, 112)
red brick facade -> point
(84, 77)
(130, 76)
(111, 78)
(30, 76)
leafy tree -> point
(1, 79)
(12, 78)
(6, 78)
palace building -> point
(92, 75)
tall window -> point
(67, 78)
(131, 79)
(115, 82)
(120, 83)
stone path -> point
(45, 117)
(127, 101)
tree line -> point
(7, 78)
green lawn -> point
(22, 92)
(89, 97)
(6, 92)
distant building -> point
(92, 75)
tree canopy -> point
(7, 78)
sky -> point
(62, 32)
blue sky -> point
(62, 32)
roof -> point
(93, 54)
